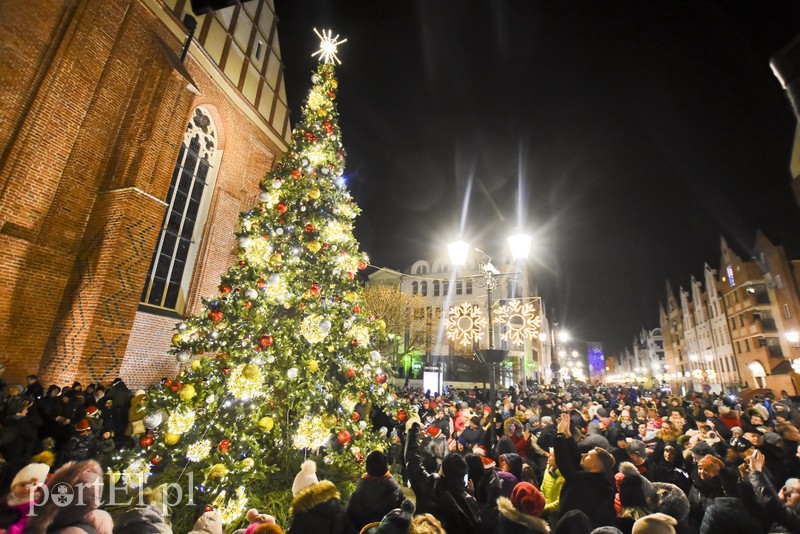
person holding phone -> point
(784, 506)
(443, 494)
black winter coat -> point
(447, 500)
(513, 521)
(773, 506)
(591, 493)
(728, 515)
(318, 510)
(372, 499)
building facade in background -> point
(123, 172)
(736, 330)
(444, 290)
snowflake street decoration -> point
(465, 324)
(520, 320)
(328, 47)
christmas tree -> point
(277, 362)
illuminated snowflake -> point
(520, 320)
(328, 47)
(465, 324)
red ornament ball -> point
(215, 315)
(351, 275)
(175, 387)
(296, 173)
(281, 207)
(146, 440)
(355, 416)
(226, 370)
(221, 355)
(344, 437)
(248, 304)
(354, 342)
(360, 458)
(260, 283)
(362, 264)
(167, 382)
(314, 289)
(225, 288)
(350, 373)
(224, 446)
(266, 341)
(402, 415)
(155, 460)
(381, 378)
(309, 228)
(356, 309)
(242, 263)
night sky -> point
(627, 137)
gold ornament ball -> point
(177, 338)
(217, 471)
(334, 84)
(350, 296)
(314, 193)
(312, 366)
(266, 424)
(250, 371)
(321, 112)
(172, 439)
(187, 393)
(381, 324)
(196, 365)
(276, 258)
(313, 246)
(247, 464)
(114, 476)
(329, 420)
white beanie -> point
(32, 473)
(305, 478)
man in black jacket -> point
(587, 478)
(445, 494)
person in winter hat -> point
(254, 520)
(442, 494)
(19, 503)
(82, 445)
(79, 514)
(520, 513)
(637, 496)
(655, 524)
(573, 522)
(305, 478)
(671, 500)
(317, 505)
(376, 494)
(208, 523)
(396, 521)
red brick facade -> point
(93, 108)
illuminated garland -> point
(465, 324)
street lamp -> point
(458, 251)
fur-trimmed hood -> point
(314, 495)
(507, 510)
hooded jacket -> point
(513, 521)
(446, 499)
(373, 498)
(318, 510)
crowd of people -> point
(590, 459)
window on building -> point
(424, 289)
(459, 287)
(738, 348)
(469, 287)
(173, 259)
(787, 313)
(747, 345)
(445, 288)
(414, 288)
(435, 288)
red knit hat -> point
(527, 499)
(81, 425)
(91, 411)
(434, 431)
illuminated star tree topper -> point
(328, 47)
